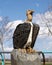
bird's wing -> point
(20, 35)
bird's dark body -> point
(21, 34)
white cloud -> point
(41, 20)
(1, 18)
(13, 24)
(48, 15)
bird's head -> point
(29, 14)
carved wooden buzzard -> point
(21, 35)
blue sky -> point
(16, 9)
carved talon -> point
(30, 50)
(22, 50)
(19, 49)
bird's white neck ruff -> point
(30, 34)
